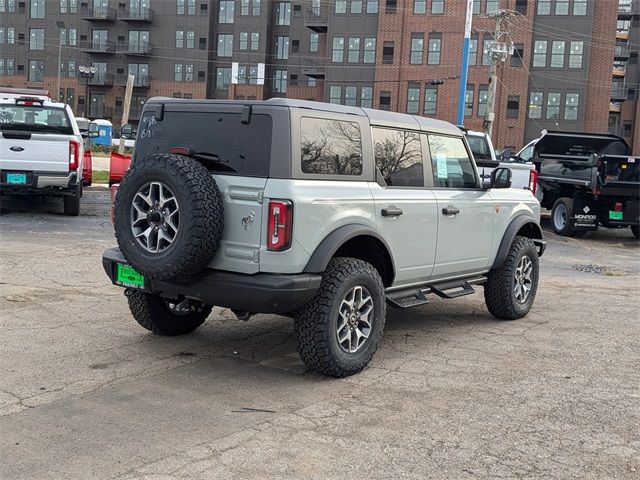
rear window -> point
(34, 118)
(242, 149)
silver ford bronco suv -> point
(320, 212)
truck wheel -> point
(163, 317)
(72, 203)
(635, 229)
(511, 289)
(169, 216)
(561, 214)
(339, 330)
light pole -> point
(87, 72)
(60, 28)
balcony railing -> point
(315, 20)
(615, 107)
(622, 52)
(102, 79)
(619, 71)
(619, 92)
(139, 15)
(99, 14)
(314, 67)
(98, 46)
(622, 35)
(142, 81)
(142, 48)
(100, 111)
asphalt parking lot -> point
(452, 392)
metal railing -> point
(139, 80)
(619, 92)
(101, 79)
(99, 13)
(100, 111)
(622, 51)
(98, 46)
(141, 48)
(139, 15)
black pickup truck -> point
(588, 180)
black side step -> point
(414, 299)
(460, 289)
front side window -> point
(452, 167)
(330, 147)
(398, 155)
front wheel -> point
(511, 289)
(164, 317)
(339, 330)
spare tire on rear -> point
(169, 216)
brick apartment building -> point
(574, 68)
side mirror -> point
(501, 178)
(127, 131)
(93, 131)
(506, 155)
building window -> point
(354, 50)
(204, 9)
(476, 7)
(337, 52)
(557, 54)
(335, 94)
(244, 40)
(356, 7)
(223, 78)
(314, 42)
(255, 40)
(413, 99)
(225, 11)
(579, 7)
(369, 50)
(177, 72)
(351, 96)
(63, 36)
(255, 11)
(225, 45)
(385, 101)
(283, 13)
(562, 7)
(63, 6)
(191, 39)
(37, 8)
(390, 7)
(36, 39)
(544, 7)
(473, 50)
(311, 82)
(282, 48)
(419, 7)
(627, 128)
(575, 54)
(513, 106)
(180, 7)
(571, 106)
(280, 81)
(521, 7)
(468, 101)
(430, 100)
(341, 6)
(179, 38)
(36, 70)
(188, 72)
(487, 43)
(435, 42)
(366, 97)
(437, 7)
(2, 36)
(387, 53)
(191, 7)
(553, 105)
(540, 53)
(11, 67)
(518, 55)
(11, 35)
(535, 105)
(244, 7)
(417, 48)
(493, 6)
(73, 37)
(372, 6)
(483, 94)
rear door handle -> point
(391, 211)
(450, 210)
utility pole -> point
(465, 63)
(60, 26)
(499, 52)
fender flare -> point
(510, 234)
(332, 242)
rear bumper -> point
(258, 293)
(42, 183)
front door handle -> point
(450, 210)
(391, 211)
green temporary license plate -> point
(17, 178)
(127, 276)
(615, 215)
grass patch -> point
(100, 176)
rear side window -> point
(330, 147)
(452, 167)
(398, 157)
(242, 149)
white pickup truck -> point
(41, 149)
(523, 175)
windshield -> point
(479, 147)
(34, 118)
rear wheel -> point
(72, 203)
(561, 214)
(165, 317)
(635, 229)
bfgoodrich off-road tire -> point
(199, 222)
(72, 203)
(503, 292)
(317, 324)
(153, 313)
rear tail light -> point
(618, 207)
(74, 154)
(533, 181)
(280, 225)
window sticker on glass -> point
(441, 166)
